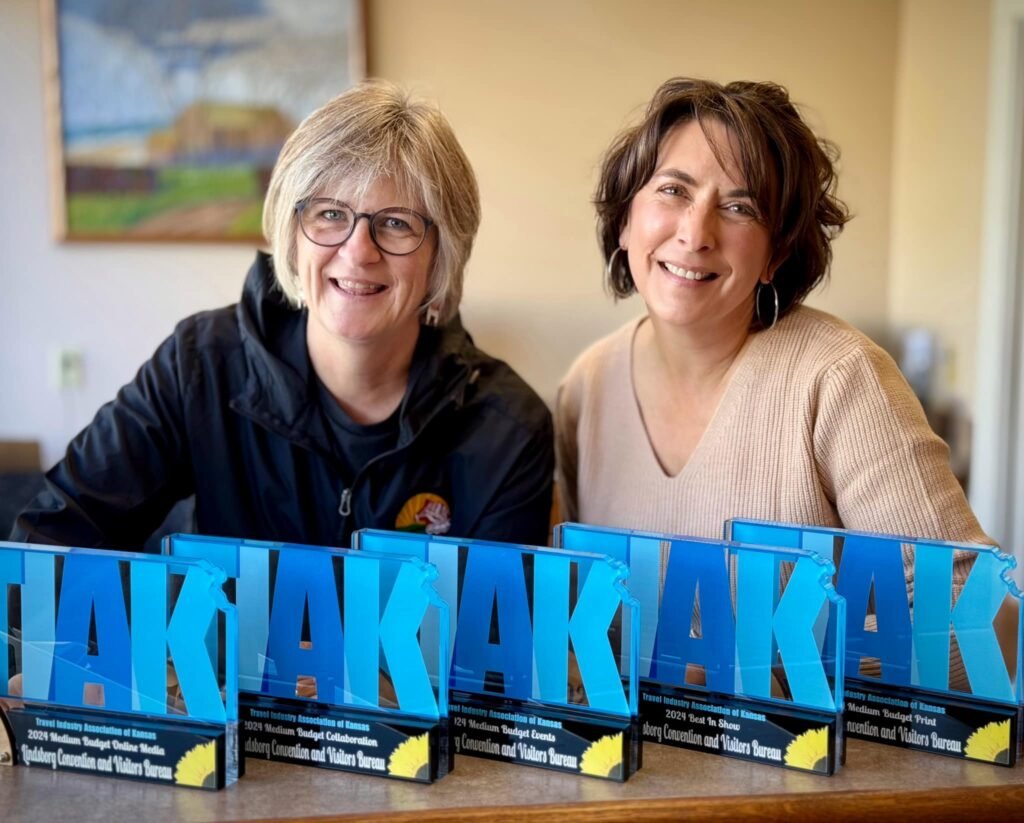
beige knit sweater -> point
(816, 426)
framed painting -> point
(165, 119)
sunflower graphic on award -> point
(197, 767)
(603, 758)
(411, 759)
(990, 743)
(808, 750)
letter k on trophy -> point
(118, 664)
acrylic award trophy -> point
(338, 656)
(118, 664)
(741, 648)
(535, 674)
(922, 671)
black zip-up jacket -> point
(227, 409)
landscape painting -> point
(166, 117)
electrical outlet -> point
(67, 369)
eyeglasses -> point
(394, 230)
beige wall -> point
(939, 176)
(536, 90)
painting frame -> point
(196, 170)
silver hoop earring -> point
(611, 261)
(433, 315)
(761, 287)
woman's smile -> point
(690, 275)
(351, 287)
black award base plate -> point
(344, 738)
(565, 740)
(962, 727)
(743, 728)
(112, 744)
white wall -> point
(113, 302)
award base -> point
(577, 742)
(178, 753)
(743, 728)
(960, 727)
(351, 740)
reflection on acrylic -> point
(332, 625)
(101, 622)
(739, 613)
(552, 614)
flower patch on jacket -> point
(425, 512)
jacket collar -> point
(279, 391)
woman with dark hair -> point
(729, 398)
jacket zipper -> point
(345, 504)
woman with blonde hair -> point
(341, 392)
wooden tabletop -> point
(878, 783)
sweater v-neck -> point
(720, 418)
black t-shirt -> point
(354, 445)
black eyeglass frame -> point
(359, 215)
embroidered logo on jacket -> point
(425, 513)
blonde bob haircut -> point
(374, 131)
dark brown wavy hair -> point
(790, 172)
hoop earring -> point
(611, 261)
(433, 315)
(757, 304)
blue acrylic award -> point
(924, 668)
(338, 656)
(537, 636)
(119, 664)
(741, 647)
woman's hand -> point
(14, 689)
